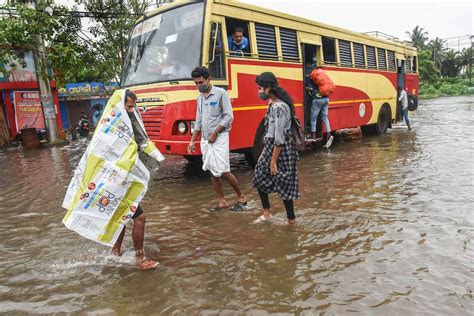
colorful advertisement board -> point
(20, 69)
(28, 110)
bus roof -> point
(285, 16)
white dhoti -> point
(215, 156)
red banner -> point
(28, 110)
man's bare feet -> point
(116, 252)
(144, 264)
(292, 222)
(242, 199)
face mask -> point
(237, 43)
(314, 59)
(263, 96)
(202, 87)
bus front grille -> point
(152, 120)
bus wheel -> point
(253, 153)
(385, 117)
(383, 122)
(195, 160)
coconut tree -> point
(438, 51)
(418, 37)
(451, 64)
(466, 59)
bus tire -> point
(253, 153)
(383, 122)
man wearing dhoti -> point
(213, 121)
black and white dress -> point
(278, 133)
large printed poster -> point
(28, 110)
(24, 67)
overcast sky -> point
(443, 19)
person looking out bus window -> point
(319, 103)
(403, 99)
(238, 43)
(276, 168)
(214, 117)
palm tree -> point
(438, 50)
(418, 37)
(451, 64)
(466, 59)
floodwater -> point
(385, 226)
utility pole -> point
(44, 84)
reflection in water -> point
(384, 225)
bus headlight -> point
(182, 128)
(193, 124)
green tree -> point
(418, 37)
(111, 34)
(70, 56)
(451, 64)
(427, 69)
(438, 51)
(466, 59)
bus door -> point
(311, 59)
(216, 63)
(400, 84)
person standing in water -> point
(276, 169)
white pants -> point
(215, 156)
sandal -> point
(262, 219)
(238, 206)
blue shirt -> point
(243, 46)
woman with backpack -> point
(276, 168)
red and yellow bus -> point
(166, 44)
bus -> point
(168, 43)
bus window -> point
(289, 45)
(238, 37)
(329, 50)
(408, 64)
(266, 41)
(391, 61)
(414, 64)
(359, 58)
(216, 53)
(382, 59)
(345, 54)
(371, 59)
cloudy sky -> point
(443, 19)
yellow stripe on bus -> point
(262, 107)
(256, 107)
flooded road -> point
(385, 226)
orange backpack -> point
(325, 84)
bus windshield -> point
(165, 47)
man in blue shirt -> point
(238, 43)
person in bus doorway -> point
(403, 99)
(276, 169)
(238, 43)
(139, 219)
(214, 118)
(319, 103)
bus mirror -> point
(214, 33)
